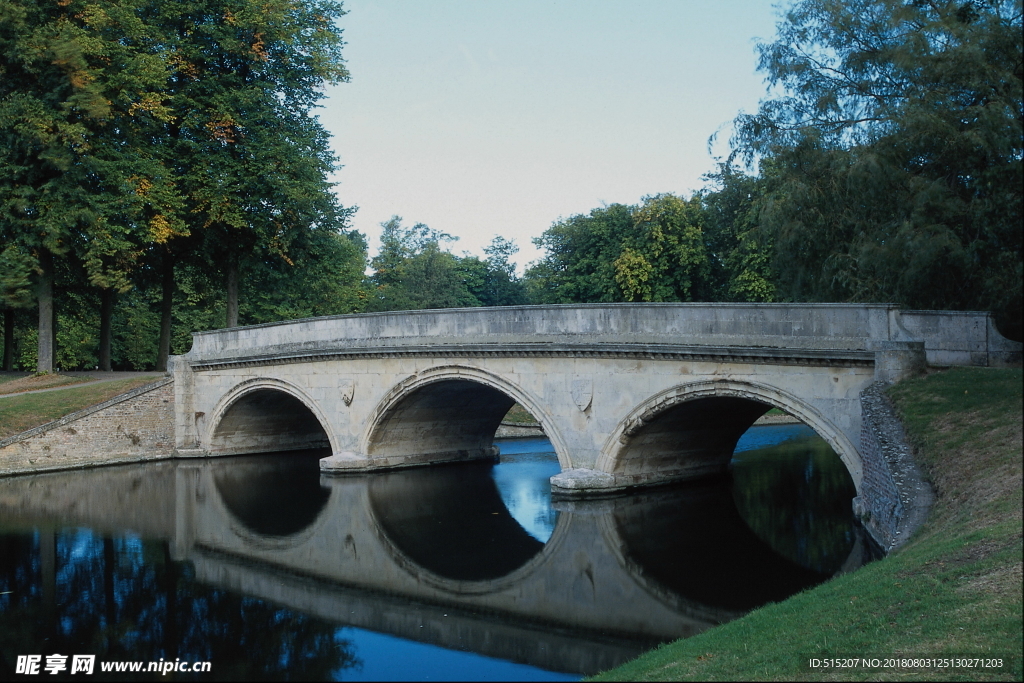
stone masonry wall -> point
(132, 427)
(894, 498)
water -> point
(465, 572)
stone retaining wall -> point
(132, 427)
(894, 498)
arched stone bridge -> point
(629, 394)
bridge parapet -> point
(950, 337)
(779, 326)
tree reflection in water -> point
(466, 557)
(796, 497)
(125, 599)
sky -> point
(485, 117)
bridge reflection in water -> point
(434, 554)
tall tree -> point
(501, 286)
(252, 160)
(739, 251)
(68, 72)
(664, 258)
(412, 271)
(891, 150)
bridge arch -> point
(266, 414)
(450, 408)
(625, 449)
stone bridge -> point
(629, 394)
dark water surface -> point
(269, 571)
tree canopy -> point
(890, 152)
(146, 142)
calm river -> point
(261, 567)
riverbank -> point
(953, 591)
(28, 404)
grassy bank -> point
(15, 385)
(25, 411)
(953, 590)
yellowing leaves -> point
(151, 103)
(184, 66)
(633, 275)
(259, 48)
(161, 230)
(142, 185)
(223, 129)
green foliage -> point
(581, 252)
(664, 258)
(15, 271)
(666, 249)
(412, 271)
(136, 332)
(891, 153)
(740, 251)
(137, 135)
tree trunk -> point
(106, 311)
(166, 302)
(232, 317)
(8, 339)
(44, 357)
(53, 331)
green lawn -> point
(25, 411)
(954, 590)
(16, 384)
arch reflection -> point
(450, 520)
(272, 496)
(689, 541)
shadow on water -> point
(691, 540)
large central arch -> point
(636, 449)
(446, 410)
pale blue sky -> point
(484, 117)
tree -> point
(15, 292)
(73, 75)
(581, 251)
(252, 160)
(412, 271)
(891, 153)
(499, 285)
(739, 251)
(664, 258)
(652, 252)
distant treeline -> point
(161, 172)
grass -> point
(519, 415)
(6, 376)
(18, 413)
(953, 590)
(17, 384)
